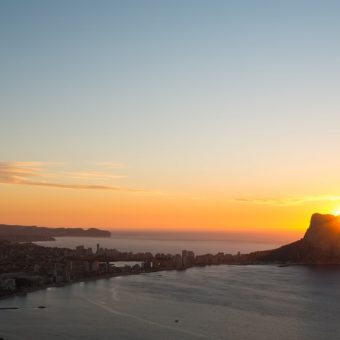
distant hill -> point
(20, 233)
(320, 244)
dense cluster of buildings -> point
(27, 266)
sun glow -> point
(336, 212)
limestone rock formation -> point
(320, 244)
(323, 232)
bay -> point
(215, 302)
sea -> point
(214, 302)
(168, 243)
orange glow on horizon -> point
(47, 197)
(121, 211)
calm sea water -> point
(163, 245)
(216, 302)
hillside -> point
(320, 244)
(20, 233)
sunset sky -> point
(181, 115)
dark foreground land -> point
(26, 267)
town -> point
(26, 267)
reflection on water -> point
(217, 302)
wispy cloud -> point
(289, 200)
(54, 175)
(92, 175)
(79, 186)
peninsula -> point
(320, 244)
(20, 233)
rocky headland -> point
(18, 233)
(320, 244)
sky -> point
(169, 115)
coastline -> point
(111, 275)
(103, 277)
(32, 267)
(85, 279)
(64, 284)
(26, 291)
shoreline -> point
(86, 279)
(108, 276)
(102, 277)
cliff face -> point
(324, 233)
(320, 244)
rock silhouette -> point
(18, 233)
(320, 244)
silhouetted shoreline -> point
(27, 267)
(19, 233)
